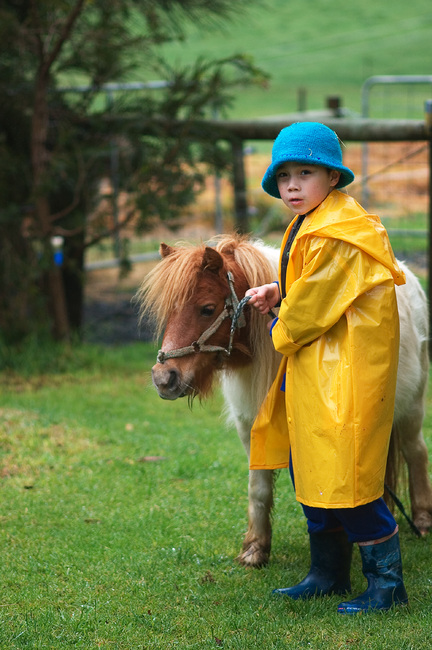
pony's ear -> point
(212, 260)
(165, 250)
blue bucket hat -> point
(310, 143)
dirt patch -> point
(110, 314)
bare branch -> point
(77, 195)
(108, 232)
(64, 34)
(104, 234)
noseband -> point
(233, 309)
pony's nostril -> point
(172, 380)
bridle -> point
(233, 309)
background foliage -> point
(53, 161)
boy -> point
(328, 415)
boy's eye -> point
(305, 172)
(281, 174)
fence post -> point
(239, 180)
(428, 124)
(114, 173)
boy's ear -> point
(334, 177)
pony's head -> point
(188, 296)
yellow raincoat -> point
(338, 330)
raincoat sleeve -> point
(333, 275)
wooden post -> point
(239, 179)
(301, 99)
(334, 104)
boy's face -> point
(303, 187)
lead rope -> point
(403, 511)
(237, 320)
(396, 500)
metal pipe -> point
(365, 92)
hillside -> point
(326, 47)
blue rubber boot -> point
(330, 567)
(382, 566)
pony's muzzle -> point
(167, 381)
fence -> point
(350, 130)
(388, 167)
(108, 90)
(388, 96)
(358, 130)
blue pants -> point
(361, 524)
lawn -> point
(325, 48)
(122, 514)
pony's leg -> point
(257, 541)
(414, 450)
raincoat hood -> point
(340, 216)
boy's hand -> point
(265, 297)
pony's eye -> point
(207, 310)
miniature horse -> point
(192, 295)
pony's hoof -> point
(423, 521)
(253, 556)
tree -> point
(54, 145)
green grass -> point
(121, 515)
(328, 48)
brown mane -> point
(169, 285)
(172, 282)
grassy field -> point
(326, 47)
(121, 515)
